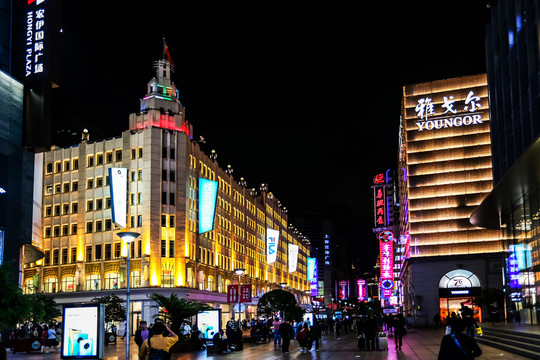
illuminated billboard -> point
(83, 331)
(208, 190)
(272, 243)
(386, 279)
(209, 322)
(118, 181)
(293, 257)
(313, 275)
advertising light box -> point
(209, 322)
(272, 243)
(208, 191)
(118, 181)
(83, 331)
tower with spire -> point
(161, 106)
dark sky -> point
(305, 98)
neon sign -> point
(425, 109)
(36, 39)
(379, 203)
(379, 179)
(387, 268)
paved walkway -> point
(422, 344)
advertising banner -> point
(293, 258)
(313, 275)
(272, 243)
(245, 293)
(208, 191)
(118, 182)
(83, 331)
(232, 293)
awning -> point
(522, 178)
(32, 253)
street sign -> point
(242, 308)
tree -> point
(114, 310)
(13, 303)
(42, 308)
(280, 300)
(174, 309)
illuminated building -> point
(444, 174)
(513, 206)
(84, 255)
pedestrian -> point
(467, 314)
(51, 339)
(400, 330)
(277, 337)
(457, 346)
(125, 331)
(158, 343)
(370, 331)
(221, 343)
(141, 334)
(437, 320)
(338, 328)
(314, 335)
(286, 331)
(302, 337)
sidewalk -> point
(421, 344)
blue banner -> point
(208, 190)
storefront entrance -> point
(459, 288)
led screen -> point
(208, 190)
(209, 322)
(81, 334)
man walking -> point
(141, 334)
(277, 337)
(286, 332)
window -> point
(117, 250)
(133, 154)
(171, 221)
(56, 230)
(163, 175)
(89, 184)
(172, 176)
(164, 152)
(164, 198)
(89, 227)
(99, 182)
(48, 168)
(58, 166)
(108, 224)
(48, 211)
(89, 205)
(99, 204)
(90, 161)
(135, 280)
(163, 220)
(139, 175)
(55, 256)
(108, 157)
(112, 280)
(99, 159)
(163, 248)
(108, 250)
(107, 202)
(167, 278)
(57, 188)
(47, 258)
(74, 229)
(89, 253)
(93, 282)
(65, 230)
(65, 209)
(66, 165)
(75, 186)
(118, 155)
(139, 198)
(171, 198)
(56, 210)
(65, 256)
(74, 208)
(139, 220)
(68, 283)
(171, 248)
(75, 164)
(140, 152)
(73, 255)
(50, 285)
(66, 187)
(99, 228)
(99, 252)
(172, 154)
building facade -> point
(444, 174)
(514, 204)
(85, 258)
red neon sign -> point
(379, 179)
(387, 266)
(380, 206)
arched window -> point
(29, 287)
(93, 282)
(210, 285)
(51, 285)
(220, 284)
(112, 281)
(167, 278)
(68, 283)
(135, 281)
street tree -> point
(114, 310)
(280, 301)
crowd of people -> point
(48, 335)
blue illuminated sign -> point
(312, 275)
(208, 190)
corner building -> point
(444, 174)
(84, 257)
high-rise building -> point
(513, 206)
(84, 257)
(444, 174)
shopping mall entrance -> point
(458, 288)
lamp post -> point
(239, 272)
(283, 285)
(128, 237)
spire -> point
(166, 54)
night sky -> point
(304, 98)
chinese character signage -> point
(449, 113)
(208, 190)
(362, 290)
(379, 204)
(272, 241)
(386, 279)
(245, 293)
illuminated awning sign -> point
(208, 190)
(450, 116)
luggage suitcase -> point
(382, 341)
(362, 343)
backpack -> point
(157, 354)
(302, 335)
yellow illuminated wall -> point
(447, 157)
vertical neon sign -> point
(386, 244)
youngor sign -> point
(118, 181)
(208, 190)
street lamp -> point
(128, 237)
(239, 272)
(283, 284)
